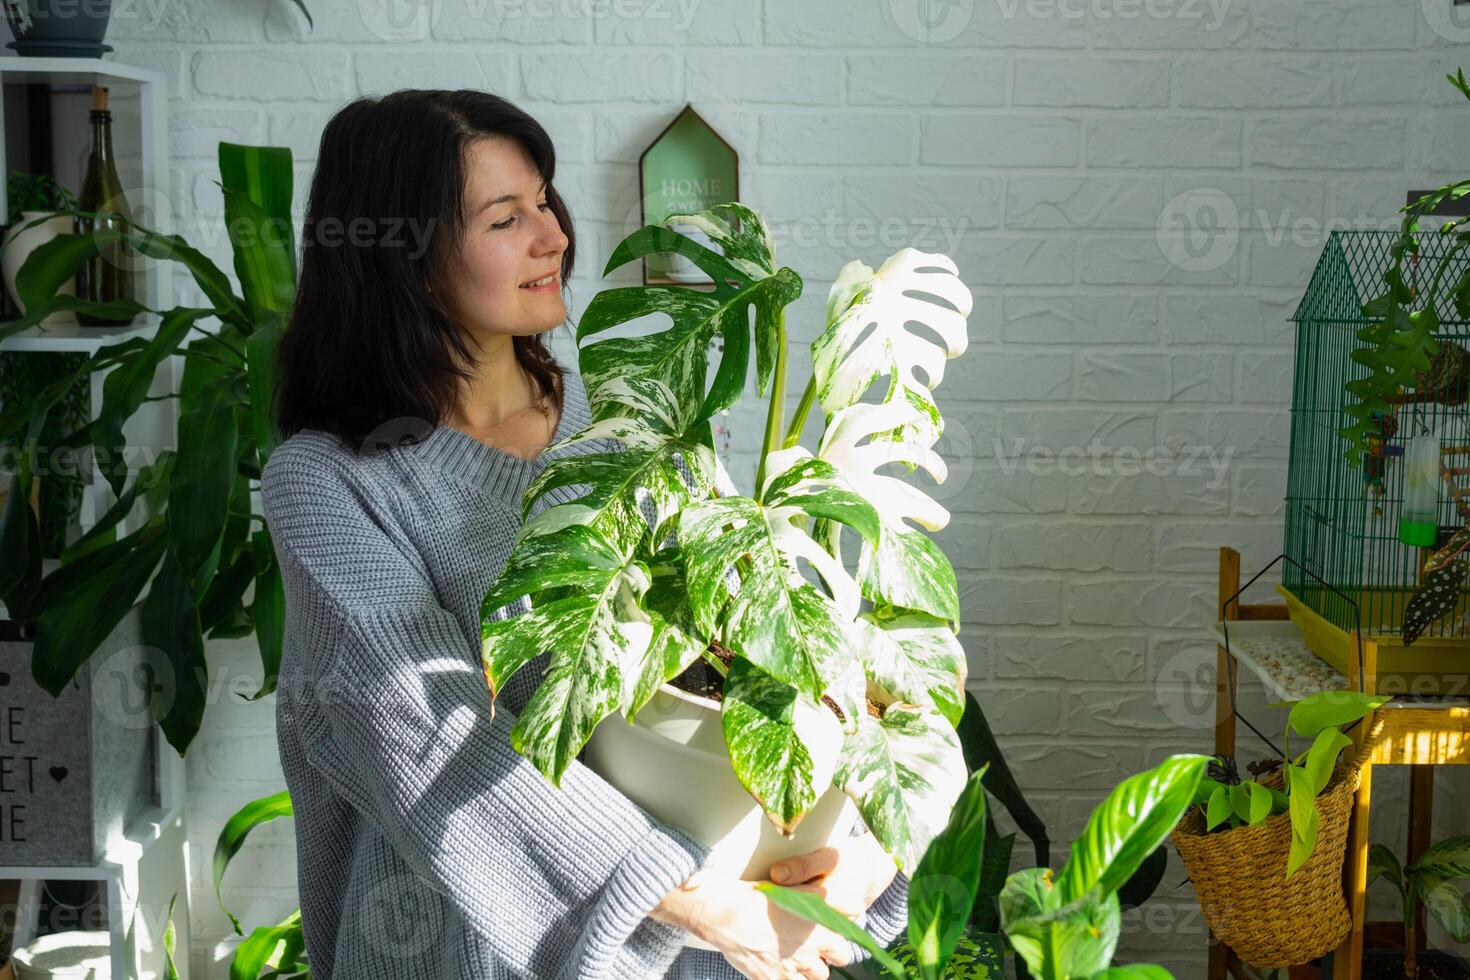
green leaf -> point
(1057, 940)
(675, 643)
(776, 619)
(232, 838)
(1260, 804)
(815, 486)
(268, 945)
(169, 626)
(814, 909)
(1304, 818)
(1450, 858)
(1240, 802)
(260, 353)
(909, 570)
(1448, 904)
(124, 389)
(1383, 863)
(981, 751)
(267, 610)
(772, 732)
(91, 596)
(256, 182)
(1134, 971)
(903, 771)
(203, 481)
(1330, 709)
(942, 890)
(150, 479)
(1219, 808)
(170, 969)
(1125, 828)
(1322, 757)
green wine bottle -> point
(107, 275)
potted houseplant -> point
(30, 198)
(195, 504)
(1431, 883)
(51, 30)
(1063, 926)
(1256, 848)
(658, 583)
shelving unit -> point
(143, 867)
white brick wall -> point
(1043, 143)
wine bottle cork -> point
(99, 97)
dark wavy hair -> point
(369, 343)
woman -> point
(419, 400)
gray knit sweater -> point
(427, 848)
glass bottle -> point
(107, 274)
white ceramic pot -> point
(20, 242)
(673, 763)
(77, 955)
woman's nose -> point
(552, 238)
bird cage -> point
(1367, 527)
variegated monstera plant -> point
(659, 561)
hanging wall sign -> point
(689, 167)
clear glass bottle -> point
(107, 274)
(1419, 514)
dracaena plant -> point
(658, 561)
(198, 530)
(1064, 926)
(1229, 802)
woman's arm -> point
(559, 881)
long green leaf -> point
(1126, 827)
(90, 606)
(1329, 709)
(982, 751)
(232, 838)
(1450, 858)
(267, 944)
(942, 890)
(267, 610)
(814, 909)
(203, 482)
(169, 622)
(1305, 818)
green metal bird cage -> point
(1367, 528)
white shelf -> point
(75, 338)
(1276, 653)
(76, 71)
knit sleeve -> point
(559, 882)
(887, 917)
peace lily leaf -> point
(904, 772)
(1447, 903)
(1135, 971)
(814, 909)
(869, 337)
(1304, 818)
(1322, 757)
(1330, 709)
(782, 748)
(594, 633)
(268, 946)
(942, 891)
(1450, 858)
(1125, 828)
(776, 619)
(914, 657)
(1075, 939)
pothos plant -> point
(1064, 926)
(657, 561)
(1229, 802)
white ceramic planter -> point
(673, 763)
(20, 242)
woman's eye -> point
(511, 220)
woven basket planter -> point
(1240, 877)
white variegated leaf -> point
(858, 461)
(904, 771)
(914, 657)
(910, 571)
(775, 619)
(594, 629)
(783, 745)
(674, 643)
(867, 335)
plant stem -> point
(798, 421)
(775, 414)
(715, 662)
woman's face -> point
(511, 238)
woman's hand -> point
(759, 939)
(850, 875)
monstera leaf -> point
(867, 335)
